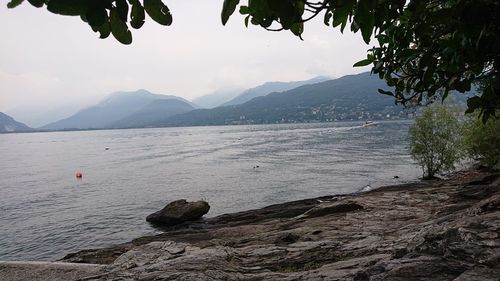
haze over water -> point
(46, 213)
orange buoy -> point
(78, 175)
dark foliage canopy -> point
(424, 49)
(108, 16)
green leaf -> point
(119, 29)
(67, 8)
(37, 3)
(244, 10)
(473, 103)
(228, 8)
(327, 18)
(297, 29)
(367, 28)
(122, 7)
(342, 27)
(158, 11)
(445, 95)
(84, 18)
(137, 15)
(246, 20)
(382, 39)
(289, 13)
(341, 14)
(383, 92)
(487, 113)
(365, 18)
(363, 63)
(104, 30)
(96, 16)
(14, 3)
(354, 26)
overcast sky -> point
(48, 60)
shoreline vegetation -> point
(428, 230)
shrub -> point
(482, 141)
(435, 140)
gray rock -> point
(178, 212)
(45, 271)
(433, 230)
(329, 208)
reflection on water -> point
(45, 212)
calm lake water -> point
(46, 213)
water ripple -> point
(46, 213)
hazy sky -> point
(48, 60)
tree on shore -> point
(482, 141)
(426, 48)
(435, 140)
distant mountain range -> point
(9, 125)
(145, 109)
(239, 96)
(271, 87)
(116, 111)
(352, 97)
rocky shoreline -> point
(430, 230)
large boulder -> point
(178, 212)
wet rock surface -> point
(43, 271)
(179, 211)
(435, 230)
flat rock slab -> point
(332, 208)
(46, 271)
(428, 231)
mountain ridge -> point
(270, 87)
(112, 108)
(9, 125)
(351, 97)
(155, 110)
(217, 98)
